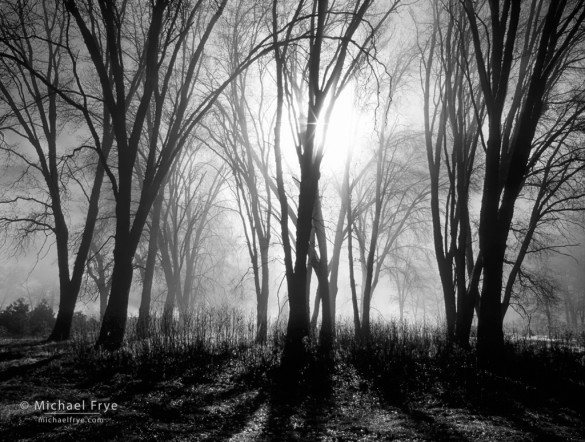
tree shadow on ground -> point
(542, 407)
(222, 398)
(475, 400)
(21, 369)
(300, 403)
(168, 410)
(17, 358)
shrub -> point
(18, 320)
(83, 325)
(41, 319)
(15, 318)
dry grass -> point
(205, 379)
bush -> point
(41, 319)
(83, 325)
(15, 318)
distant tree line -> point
(20, 319)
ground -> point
(222, 399)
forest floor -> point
(228, 398)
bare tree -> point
(244, 116)
(555, 37)
(393, 197)
(42, 94)
(189, 207)
(161, 73)
(572, 282)
(329, 64)
(454, 114)
(537, 292)
(409, 278)
(509, 73)
(149, 266)
(99, 267)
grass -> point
(204, 378)
(401, 359)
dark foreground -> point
(411, 392)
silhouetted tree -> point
(244, 118)
(549, 39)
(164, 74)
(393, 199)
(518, 72)
(44, 95)
(311, 73)
(454, 115)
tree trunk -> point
(335, 257)
(327, 328)
(490, 335)
(262, 307)
(492, 242)
(465, 312)
(346, 195)
(169, 308)
(114, 321)
(143, 324)
(62, 328)
(354, 300)
(103, 293)
(67, 296)
(262, 319)
(298, 327)
(464, 320)
(316, 310)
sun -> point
(341, 132)
(339, 136)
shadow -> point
(23, 369)
(32, 429)
(520, 400)
(21, 343)
(543, 408)
(425, 426)
(300, 403)
(163, 413)
(543, 431)
(210, 410)
(240, 417)
(11, 355)
(395, 393)
(18, 348)
(211, 397)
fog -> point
(199, 197)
